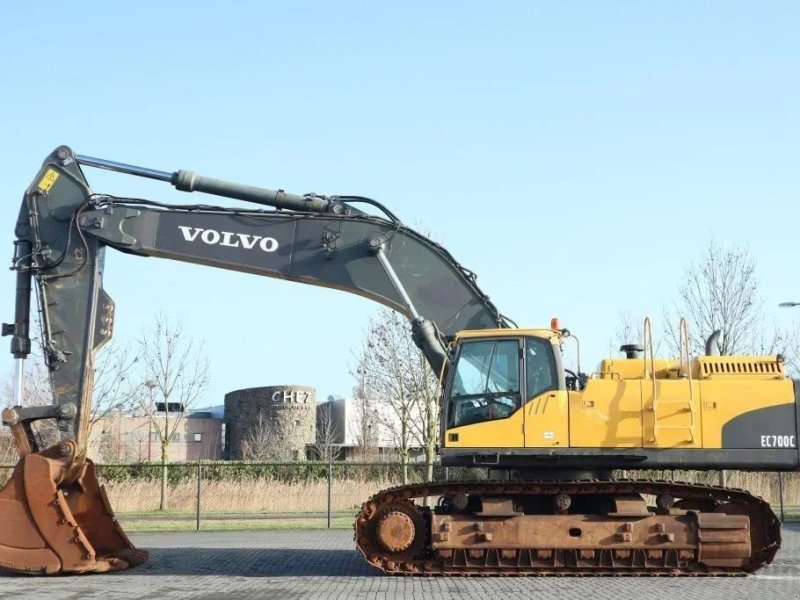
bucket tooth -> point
(55, 518)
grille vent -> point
(726, 366)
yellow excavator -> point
(551, 436)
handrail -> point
(683, 334)
(648, 347)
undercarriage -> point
(589, 527)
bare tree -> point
(425, 430)
(397, 376)
(721, 292)
(176, 371)
(112, 389)
(135, 443)
(265, 441)
(628, 331)
(386, 377)
(36, 391)
(790, 348)
(116, 388)
(109, 445)
(363, 420)
(36, 384)
(327, 437)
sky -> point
(577, 156)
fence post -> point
(197, 503)
(723, 479)
(780, 492)
(330, 468)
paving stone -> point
(324, 564)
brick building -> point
(128, 438)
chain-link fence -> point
(269, 496)
(228, 496)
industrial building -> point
(123, 438)
(271, 423)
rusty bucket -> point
(55, 518)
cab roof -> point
(548, 334)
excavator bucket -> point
(55, 518)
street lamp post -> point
(780, 473)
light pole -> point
(780, 473)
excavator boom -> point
(62, 232)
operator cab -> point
(495, 374)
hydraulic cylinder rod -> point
(188, 181)
(110, 165)
(423, 331)
(390, 272)
(19, 330)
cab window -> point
(540, 367)
(486, 384)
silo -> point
(270, 423)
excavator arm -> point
(62, 232)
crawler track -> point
(715, 524)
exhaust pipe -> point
(712, 343)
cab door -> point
(547, 404)
(484, 405)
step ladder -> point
(684, 370)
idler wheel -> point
(396, 531)
(400, 528)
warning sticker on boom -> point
(50, 177)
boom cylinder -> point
(188, 181)
(423, 331)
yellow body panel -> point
(497, 433)
(723, 400)
(547, 420)
(670, 404)
(606, 414)
(543, 422)
(633, 368)
(703, 367)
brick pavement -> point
(324, 564)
